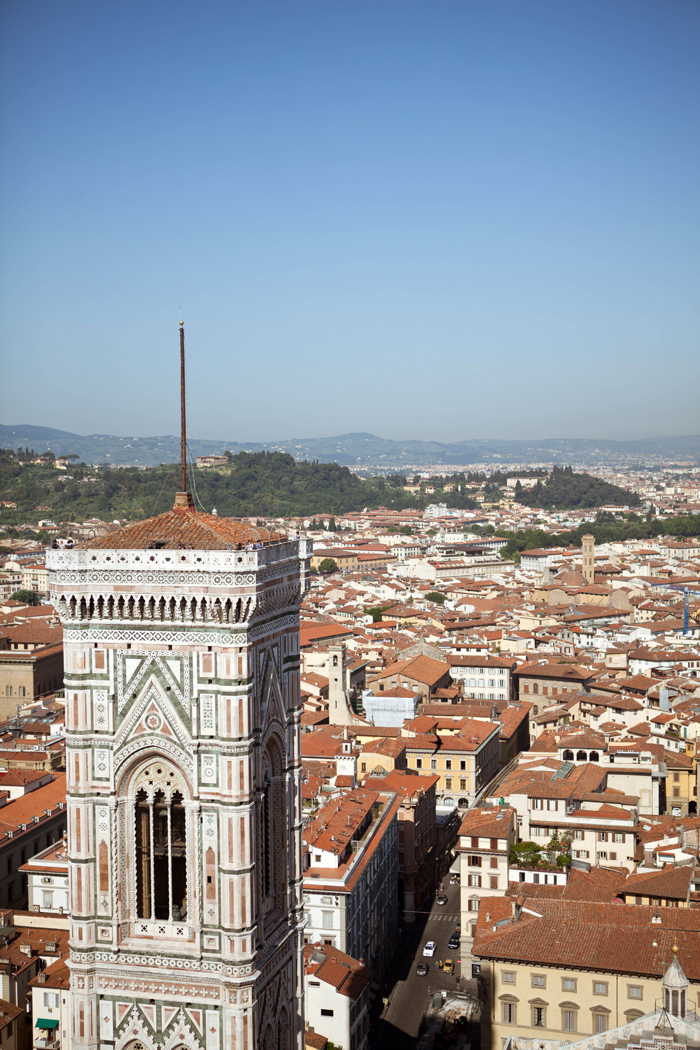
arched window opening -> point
(161, 857)
(581, 756)
(272, 846)
(593, 757)
(536, 687)
(568, 756)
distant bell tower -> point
(181, 638)
(588, 558)
(339, 711)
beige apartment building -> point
(25, 674)
(485, 838)
(564, 970)
(464, 762)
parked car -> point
(442, 899)
(429, 949)
(453, 941)
(422, 969)
(448, 966)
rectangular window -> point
(462, 785)
(474, 860)
(475, 843)
(508, 1013)
(568, 1020)
(463, 764)
(327, 920)
(473, 905)
(600, 1023)
(508, 976)
(602, 836)
(494, 862)
(494, 882)
(578, 833)
(568, 984)
(448, 784)
(618, 836)
(537, 803)
(475, 880)
(634, 991)
(448, 763)
(326, 1013)
(538, 980)
(494, 843)
(538, 1016)
(552, 804)
(600, 987)
(419, 763)
(433, 763)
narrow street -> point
(408, 998)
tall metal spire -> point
(183, 498)
(183, 413)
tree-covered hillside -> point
(265, 484)
(564, 490)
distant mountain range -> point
(360, 450)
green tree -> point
(328, 565)
(437, 597)
(332, 527)
(27, 597)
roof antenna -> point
(183, 498)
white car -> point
(429, 949)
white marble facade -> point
(184, 805)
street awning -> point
(44, 1023)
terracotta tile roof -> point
(311, 632)
(185, 528)
(57, 975)
(314, 1040)
(8, 1013)
(568, 671)
(671, 882)
(33, 803)
(420, 669)
(488, 823)
(336, 823)
(593, 936)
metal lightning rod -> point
(183, 416)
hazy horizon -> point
(438, 218)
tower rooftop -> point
(186, 529)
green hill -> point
(264, 484)
(564, 490)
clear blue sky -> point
(425, 219)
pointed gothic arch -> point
(157, 794)
(272, 826)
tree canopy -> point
(567, 491)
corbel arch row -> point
(155, 608)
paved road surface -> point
(408, 999)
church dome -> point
(572, 578)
